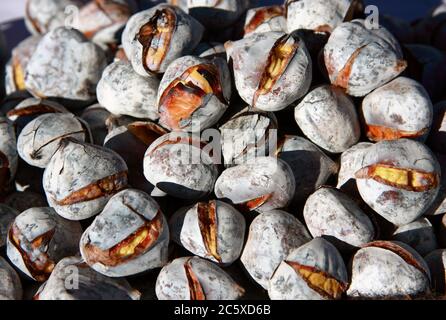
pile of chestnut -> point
(218, 150)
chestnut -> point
(273, 235)
(194, 93)
(16, 67)
(40, 138)
(399, 179)
(400, 109)
(328, 117)
(90, 286)
(124, 92)
(436, 261)
(128, 237)
(96, 116)
(262, 184)
(418, 234)
(438, 207)
(314, 271)
(178, 164)
(319, 15)
(386, 270)
(360, 59)
(311, 167)
(153, 38)
(330, 213)
(265, 19)
(43, 16)
(65, 65)
(38, 238)
(10, 285)
(80, 178)
(248, 134)
(8, 154)
(271, 70)
(213, 230)
(193, 278)
(7, 216)
(100, 20)
(351, 162)
(210, 50)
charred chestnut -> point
(213, 230)
(80, 178)
(38, 238)
(194, 93)
(129, 236)
(193, 278)
(271, 70)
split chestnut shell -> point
(272, 236)
(314, 271)
(384, 269)
(130, 236)
(271, 70)
(265, 19)
(262, 184)
(80, 178)
(155, 37)
(178, 164)
(194, 93)
(360, 59)
(213, 230)
(193, 278)
(73, 279)
(38, 238)
(399, 179)
(10, 285)
(399, 109)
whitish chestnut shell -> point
(397, 202)
(419, 235)
(91, 285)
(212, 230)
(272, 236)
(351, 162)
(38, 238)
(53, 70)
(210, 281)
(383, 270)
(80, 178)
(120, 221)
(124, 92)
(328, 117)
(10, 285)
(360, 60)
(318, 257)
(265, 19)
(400, 109)
(262, 184)
(330, 213)
(96, 116)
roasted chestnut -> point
(8, 154)
(272, 236)
(193, 278)
(80, 178)
(40, 138)
(437, 265)
(419, 235)
(155, 37)
(124, 92)
(178, 164)
(213, 230)
(328, 117)
(351, 162)
(314, 271)
(332, 214)
(10, 285)
(129, 236)
(399, 179)
(65, 65)
(38, 238)
(360, 59)
(194, 93)
(265, 19)
(96, 117)
(210, 50)
(262, 184)
(271, 70)
(386, 270)
(399, 109)
(7, 215)
(86, 284)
